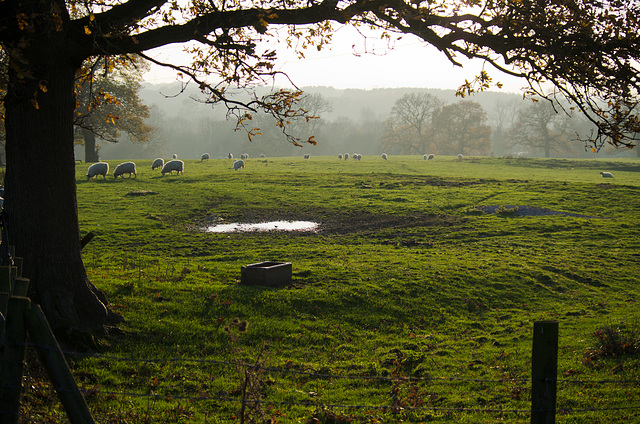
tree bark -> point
(90, 152)
(40, 193)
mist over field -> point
(349, 120)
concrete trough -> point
(270, 274)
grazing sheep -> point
(307, 156)
(205, 156)
(384, 156)
(430, 157)
(340, 156)
(238, 164)
(262, 156)
(460, 157)
(346, 156)
(359, 156)
(230, 155)
(606, 174)
(157, 163)
(125, 168)
(424, 157)
(244, 156)
(98, 168)
(175, 156)
(173, 165)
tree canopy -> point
(108, 104)
(460, 128)
(584, 51)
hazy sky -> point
(409, 64)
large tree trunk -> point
(90, 152)
(40, 202)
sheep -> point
(244, 156)
(157, 163)
(430, 157)
(173, 165)
(238, 164)
(307, 156)
(230, 156)
(460, 157)
(358, 156)
(263, 155)
(346, 156)
(175, 156)
(606, 174)
(125, 168)
(205, 156)
(384, 156)
(424, 157)
(340, 156)
(98, 168)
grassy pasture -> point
(408, 297)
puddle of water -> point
(263, 226)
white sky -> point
(411, 63)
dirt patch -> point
(524, 210)
(337, 222)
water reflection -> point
(263, 226)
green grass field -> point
(409, 304)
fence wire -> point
(303, 370)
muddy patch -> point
(524, 210)
(335, 222)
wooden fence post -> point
(544, 372)
(5, 290)
(13, 360)
(57, 367)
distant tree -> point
(541, 128)
(408, 130)
(501, 119)
(267, 137)
(461, 128)
(108, 104)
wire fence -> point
(398, 407)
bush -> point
(614, 341)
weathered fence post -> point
(544, 372)
(15, 340)
(57, 368)
(5, 290)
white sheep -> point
(98, 168)
(384, 156)
(173, 165)
(205, 156)
(125, 168)
(358, 156)
(430, 157)
(460, 157)
(238, 164)
(307, 156)
(424, 157)
(230, 155)
(340, 156)
(157, 163)
(175, 156)
(244, 156)
(606, 174)
(263, 155)
(346, 156)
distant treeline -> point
(349, 121)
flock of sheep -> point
(129, 168)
